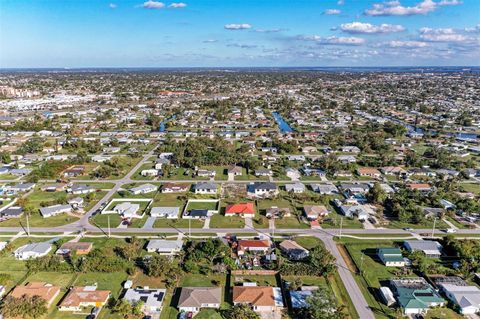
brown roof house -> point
(42, 289)
(259, 298)
(81, 297)
(293, 250)
(313, 212)
(195, 298)
(80, 248)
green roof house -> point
(415, 295)
(391, 257)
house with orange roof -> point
(252, 245)
(241, 209)
(78, 298)
(369, 172)
(41, 289)
(422, 187)
(259, 298)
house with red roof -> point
(253, 245)
(241, 209)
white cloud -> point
(112, 6)
(441, 35)
(269, 30)
(395, 8)
(236, 26)
(341, 2)
(210, 41)
(334, 40)
(153, 5)
(332, 11)
(242, 46)
(449, 3)
(474, 29)
(177, 5)
(359, 27)
(406, 44)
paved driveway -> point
(149, 223)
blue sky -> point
(125, 33)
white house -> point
(55, 210)
(467, 298)
(165, 212)
(33, 250)
(164, 247)
(143, 189)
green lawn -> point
(203, 205)
(177, 223)
(439, 224)
(105, 281)
(290, 223)
(169, 200)
(101, 220)
(334, 219)
(472, 188)
(191, 280)
(208, 314)
(260, 280)
(36, 220)
(308, 242)
(372, 273)
(220, 221)
(57, 279)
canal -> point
(282, 124)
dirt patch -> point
(346, 257)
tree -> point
(5, 157)
(23, 307)
(376, 194)
(158, 266)
(322, 305)
(122, 307)
(240, 312)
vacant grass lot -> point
(169, 200)
(220, 221)
(177, 223)
(203, 205)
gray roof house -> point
(355, 188)
(195, 298)
(430, 248)
(11, 212)
(164, 247)
(80, 189)
(55, 210)
(21, 187)
(33, 250)
(262, 188)
(152, 298)
(324, 188)
(205, 188)
(143, 189)
(296, 187)
(167, 212)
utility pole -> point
(433, 230)
(28, 226)
(341, 224)
(361, 264)
(189, 227)
(108, 220)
